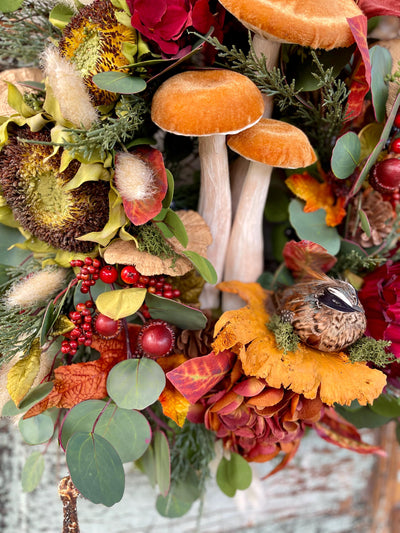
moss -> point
(285, 337)
(370, 350)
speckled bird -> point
(324, 312)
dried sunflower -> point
(32, 186)
(93, 41)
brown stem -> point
(69, 495)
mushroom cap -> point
(207, 102)
(126, 252)
(319, 24)
(274, 143)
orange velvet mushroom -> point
(270, 143)
(210, 104)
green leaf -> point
(362, 417)
(135, 383)
(128, 431)
(37, 429)
(381, 66)
(162, 462)
(233, 474)
(147, 465)
(96, 469)
(312, 227)
(32, 472)
(8, 6)
(60, 16)
(175, 224)
(346, 155)
(179, 499)
(202, 265)
(120, 303)
(119, 82)
(10, 409)
(165, 230)
(35, 395)
(170, 192)
(387, 405)
(180, 315)
(47, 322)
(365, 225)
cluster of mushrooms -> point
(215, 104)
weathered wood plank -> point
(324, 489)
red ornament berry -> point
(156, 339)
(129, 275)
(396, 122)
(108, 274)
(385, 176)
(395, 146)
(106, 327)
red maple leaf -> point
(86, 381)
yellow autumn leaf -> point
(22, 375)
(306, 371)
(121, 303)
(62, 326)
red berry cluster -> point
(89, 272)
(154, 284)
(83, 330)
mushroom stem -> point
(270, 49)
(245, 255)
(215, 207)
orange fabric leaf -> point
(317, 195)
(304, 257)
(173, 403)
(86, 381)
(306, 371)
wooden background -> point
(324, 490)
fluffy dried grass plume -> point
(69, 89)
(134, 179)
(36, 288)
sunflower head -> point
(93, 42)
(33, 187)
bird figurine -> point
(325, 313)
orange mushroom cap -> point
(319, 24)
(206, 102)
(274, 143)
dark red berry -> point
(176, 293)
(96, 263)
(156, 339)
(84, 289)
(65, 349)
(129, 275)
(80, 307)
(396, 122)
(89, 304)
(107, 327)
(144, 279)
(74, 334)
(88, 261)
(385, 175)
(108, 274)
(395, 146)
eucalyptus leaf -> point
(8, 6)
(387, 405)
(233, 474)
(120, 303)
(364, 222)
(32, 472)
(10, 409)
(180, 315)
(135, 383)
(35, 395)
(127, 430)
(346, 155)
(119, 82)
(179, 499)
(363, 417)
(175, 224)
(162, 462)
(37, 429)
(95, 468)
(312, 227)
(381, 66)
(147, 465)
(202, 265)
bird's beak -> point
(358, 309)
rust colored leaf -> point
(140, 211)
(317, 195)
(196, 377)
(359, 87)
(305, 256)
(358, 27)
(86, 381)
(306, 371)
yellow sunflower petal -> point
(306, 371)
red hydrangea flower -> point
(163, 22)
(380, 296)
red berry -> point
(144, 279)
(395, 146)
(80, 307)
(108, 274)
(88, 342)
(159, 285)
(156, 339)
(74, 334)
(78, 263)
(89, 304)
(107, 327)
(167, 286)
(152, 290)
(167, 294)
(65, 349)
(129, 275)
(81, 339)
(84, 289)
(176, 293)
(397, 121)
(152, 282)
(73, 345)
(385, 175)
(96, 263)
(88, 261)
